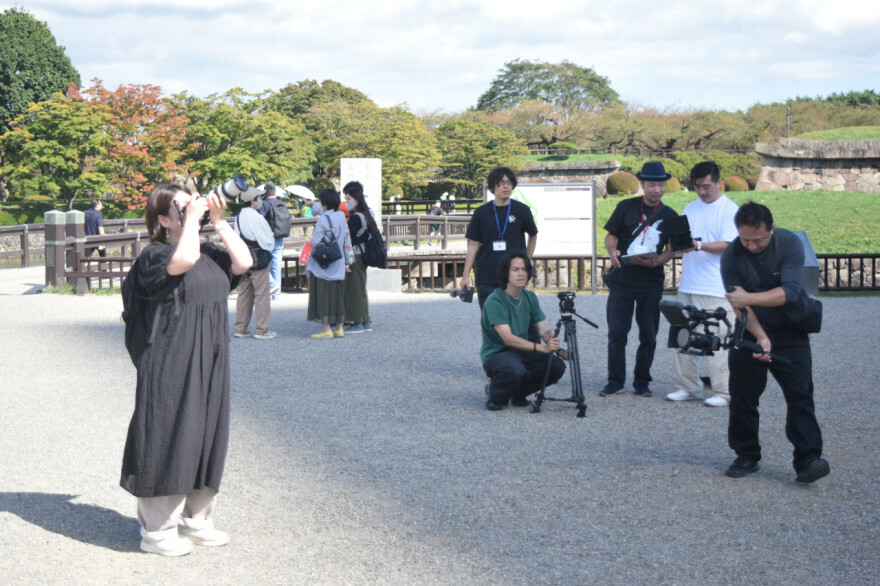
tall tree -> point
(227, 134)
(147, 131)
(58, 148)
(395, 135)
(32, 67)
(565, 85)
(469, 150)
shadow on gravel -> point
(86, 523)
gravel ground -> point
(371, 460)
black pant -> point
(622, 300)
(748, 378)
(517, 374)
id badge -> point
(499, 245)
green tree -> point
(301, 101)
(58, 148)
(228, 134)
(32, 65)
(565, 85)
(395, 135)
(469, 150)
(32, 68)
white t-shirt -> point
(713, 222)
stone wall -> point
(569, 172)
(809, 165)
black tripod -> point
(574, 366)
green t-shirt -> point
(501, 308)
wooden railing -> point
(431, 271)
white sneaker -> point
(202, 532)
(266, 336)
(716, 401)
(682, 395)
(244, 335)
(166, 542)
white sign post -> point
(369, 173)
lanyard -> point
(497, 223)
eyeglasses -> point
(505, 183)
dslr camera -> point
(466, 294)
(689, 328)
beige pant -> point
(687, 375)
(160, 513)
(253, 293)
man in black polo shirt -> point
(763, 271)
(497, 228)
(635, 243)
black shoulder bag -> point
(327, 251)
(804, 312)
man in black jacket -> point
(763, 271)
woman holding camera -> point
(357, 304)
(327, 285)
(177, 438)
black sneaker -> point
(813, 471)
(493, 406)
(520, 402)
(742, 466)
(645, 392)
(610, 390)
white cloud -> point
(443, 55)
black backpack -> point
(141, 316)
(374, 254)
(278, 217)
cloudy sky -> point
(440, 55)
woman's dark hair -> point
(753, 215)
(355, 191)
(497, 174)
(329, 198)
(504, 267)
(158, 203)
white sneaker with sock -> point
(716, 401)
(166, 542)
(202, 532)
(682, 395)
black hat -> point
(653, 171)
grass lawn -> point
(846, 133)
(837, 222)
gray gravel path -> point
(371, 460)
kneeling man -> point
(516, 365)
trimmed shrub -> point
(7, 219)
(744, 165)
(673, 167)
(753, 181)
(735, 183)
(622, 183)
(673, 186)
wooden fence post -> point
(54, 225)
(76, 229)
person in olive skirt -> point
(357, 304)
(327, 285)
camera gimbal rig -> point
(566, 311)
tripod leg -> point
(539, 396)
(574, 366)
